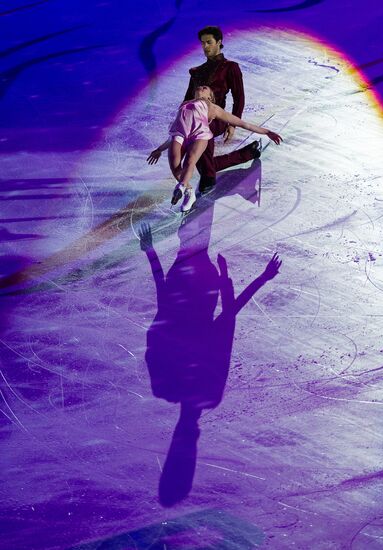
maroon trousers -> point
(208, 164)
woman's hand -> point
(153, 157)
(276, 138)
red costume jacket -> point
(222, 76)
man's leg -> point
(206, 168)
(208, 165)
(249, 152)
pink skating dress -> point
(191, 122)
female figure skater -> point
(188, 138)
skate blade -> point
(187, 212)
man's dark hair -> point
(215, 31)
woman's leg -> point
(183, 188)
(193, 154)
(175, 157)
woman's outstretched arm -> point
(155, 155)
(217, 112)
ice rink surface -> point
(108, 351)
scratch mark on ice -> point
(130, 353)
(12, 413)
(18, 396)
(9, 418)
(135, 393)
(233, 471)
(295, 508)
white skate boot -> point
(189, 200)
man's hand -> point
(229, 133)
(154, 156)
(276, 138)
(272, 268)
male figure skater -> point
(222, 76)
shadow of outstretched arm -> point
(146, 243)
(272, 269)
(222, 337)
